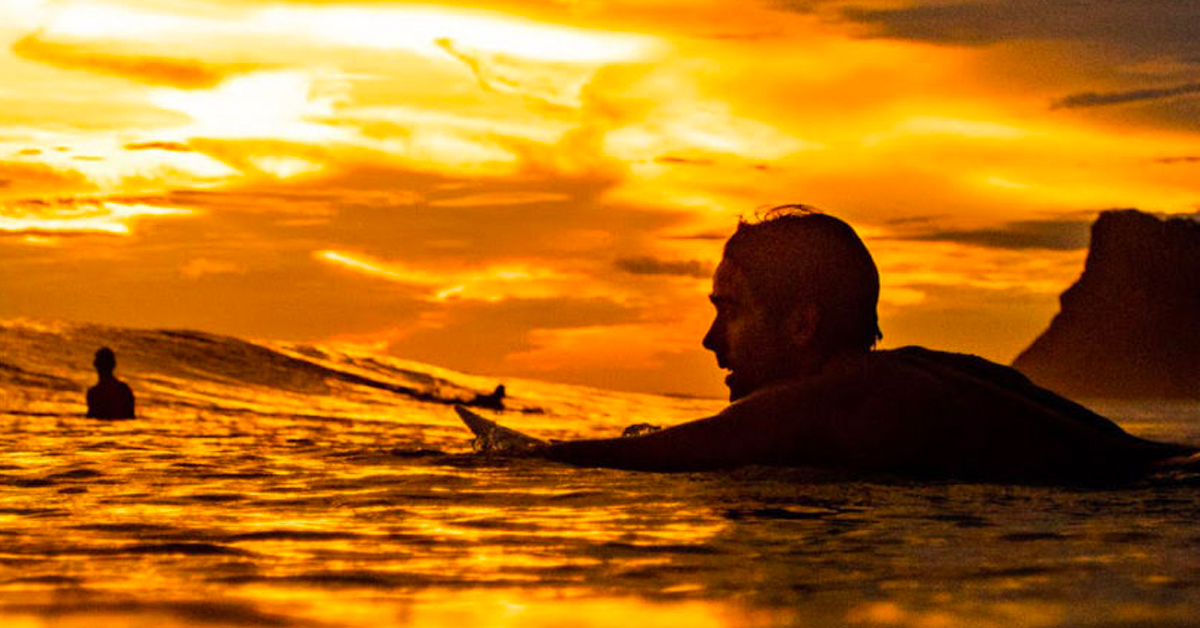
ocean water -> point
(284, 485)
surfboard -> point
(491, 437)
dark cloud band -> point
(1053, 235)
(1099, 99)
(655, 266)
(1141, 29)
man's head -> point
(793, 290)
(105, 361)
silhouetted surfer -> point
(492, 401)
(796, 325)
(110, 398)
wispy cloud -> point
(655, 266)
(1054, 235)
(1099, 99)
(18, 178)
(553, 83)
(688, 161)
(1182, 159)
(177, 147)
(81, 216)
(925, 125)
(179, 73)
(494, 282)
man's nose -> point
(712, 339)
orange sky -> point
(542, 188)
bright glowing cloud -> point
(683, 120)
(553, 82)
(956, 127)
(493, 282)
(95, 19)
(284, 167)
(262, 104)
(110, 167)
(81, 217)
(22, 14)
(370, 268)
(419, 28)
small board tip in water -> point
(491, 437)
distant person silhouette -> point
(110, 398)
(491, 401)
(796, 326)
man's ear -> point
(802, 325)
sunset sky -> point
(541, 188)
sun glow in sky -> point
(518, 187)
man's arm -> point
(786, 425)
(697, 445)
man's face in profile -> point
(744, 337)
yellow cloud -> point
(275, 104)
(284, 166)
(419, 28)
(495, 281)
(920, 125)
(180, 73)
(78, 217)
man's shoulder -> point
(966, 364)
(914, 352)
(905, 376)
(991, 386)
(110, 384)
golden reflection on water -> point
(277, 522)
(233, 506)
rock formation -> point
(1130, 326)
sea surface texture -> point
(284, 485)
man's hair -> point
(794, 254)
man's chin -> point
(737, 387)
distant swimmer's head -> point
(795, 288)
(105, 360)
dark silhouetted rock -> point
(1130, 327)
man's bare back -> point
(910, 411)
